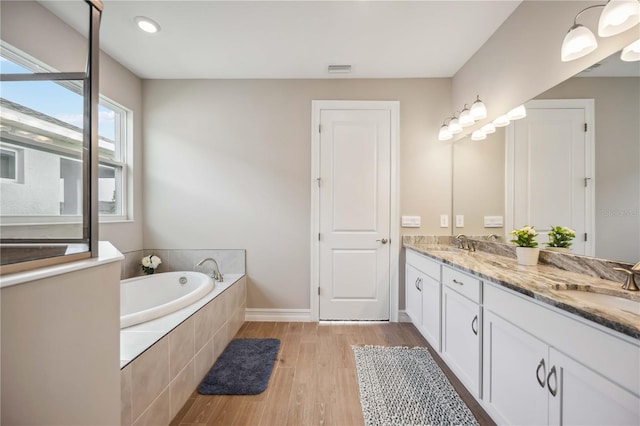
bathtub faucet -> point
(215, 274)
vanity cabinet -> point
(461, 326)
(422, 296)
(550, 369)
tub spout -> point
(215, 274)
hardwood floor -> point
(314, 381)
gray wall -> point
(227, 164)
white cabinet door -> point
(413, 295)
(515, 370)
(461, 338)
(431, 311)
(583, 397)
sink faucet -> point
(465, 244)
(215, 274)
(630, 282)
(492, 237)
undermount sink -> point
(626, 304)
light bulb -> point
(478, 110)
(466, 119)
(488, 128)
(631, 52)
(444, 134)
(501, 121)
(578, 42)
(454, 126)
(517, 113)
(478, 135)
(147, 24)
(618, 16)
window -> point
(51, 134)
(51, 148)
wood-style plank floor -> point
(314, 380)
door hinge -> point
(318, 180)
(586, 181)
(585, 236)
(318, 236)
(585, 127)
(318, 290)
(319, 128)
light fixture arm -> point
(575, 20)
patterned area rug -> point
(405, 386)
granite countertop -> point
(541, 282)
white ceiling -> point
(295, 39)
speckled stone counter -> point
(543, 283)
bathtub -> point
(152, 296)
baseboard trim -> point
(403, 316)
(279, 315)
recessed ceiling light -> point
(147, 25)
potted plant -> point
(527, 251)
(560, 238)
(150, 263)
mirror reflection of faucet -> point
(215, 274)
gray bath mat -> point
(403, 386)
(243, 368)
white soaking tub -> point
(153, 296)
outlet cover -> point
(444, 221)
(411, 221)
(493, 221)
(459, 221)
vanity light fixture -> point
(488, 128)
(501, 121)
(147, 25)
(478, 110)
(631, 53)
(618, 16)
(579, 40)
(454, 125)
(517, 113)
(478, 135)
(445, 134)
(466, 119)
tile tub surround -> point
(231, 261)
(176, 352)
(542, 282)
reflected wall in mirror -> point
(479, 167)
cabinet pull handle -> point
(420, 284)
(458, 282)
(474, 328)
(553, 391)
(544, 373)
(416, 283)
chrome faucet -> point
(630, 282)
(215, 274)
(492, 237)
(464, 242)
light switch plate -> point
(493, 221)
(444, 221)
(411, 221)
(459, 221)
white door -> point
(552, 175)
(355, 183)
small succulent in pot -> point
(525, 237)
(560, 236)
(150, 264)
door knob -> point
(383, 241)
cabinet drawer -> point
(464, 284)
(423, 264)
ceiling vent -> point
(339, 69)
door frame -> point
(394, 209)
(590, 201)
